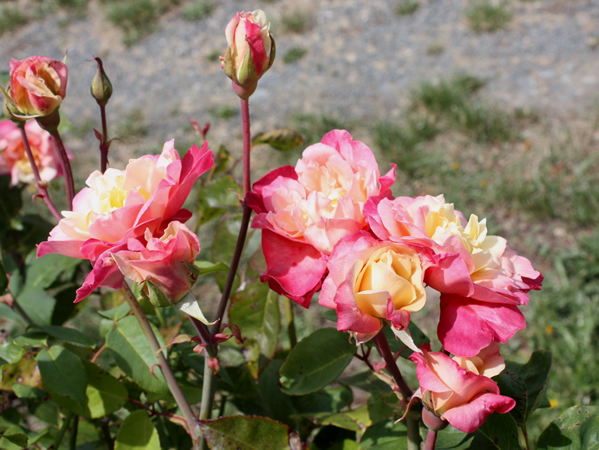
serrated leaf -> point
(282, 139)
(245, 433)
(316, 361)
(356, 420)
(137, 433)
(63, 373)
(577, 428)
(70, 335)
(116, 313)
(453, 439)
(131, 351)
(105, 394)
(501, 430)
(526, 383)
(255, 310)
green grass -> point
(215, 54)
(224, 112)
(295, 22)
(294, 54)
(137, 18)
(434, 49)
(406, 8)
(11, 19)
(313, 126)
(132, 126)
(485, 17)
(197, 10)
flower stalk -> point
(66, 168)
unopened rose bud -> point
(250, 53)
(101, 88)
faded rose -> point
(250, 51)
(372, 282)
(162, 260)
(304, 211)
(38, 86)
(463, 398)
(122, 204)
(13, 159)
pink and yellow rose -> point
(304, 211)
(38, 86)
(120, 205)
(371, 283)
(13, 159)
(463, 395)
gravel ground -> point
(361, 61)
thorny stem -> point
(66, 169)
(431, 439)
(192, 427)
(41, 187)
(103, 141)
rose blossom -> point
(38, 85)
(123, 204)
(461, 397)
(371, 282)
(13, 159)
(162, 261)
(304, 211)
(250, 51)
(468, 266)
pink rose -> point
(13, 159)
(250, 51)
(162, 261)
(371, 283)
(38, 85)
(123, 204)
(304, 211)
(461, 397)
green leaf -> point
(526, 383)
(356, 420)
(43, 272)
(366, 381)
(577, 428)
(19, 439)
(396, 345)
(207, 267)
(316, 361)
(70, 335)
(385, 436)
(28, 392)
(131, 351)
(501, 430)
(11, 353)
(37, 304)
(105, 394)
(137, 432)
(453, 439)
(63, 373)
(282, 139)
(216, 196)
(223, 245)
(382, 405)
(255, 311)
(24, 372)
(3, 276)
(245, 433)
(116, 313)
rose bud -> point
(101, 88)
(38, 85)
(250, 51)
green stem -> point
(41, 185)
(192, 426)
(207, 397)
(66, 169)
(74, 430)
(63, 430)
(289, 316)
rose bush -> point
(304, 211)
(372, 282)
(13, 159)
(462, 397)
(120, 205)
(38, 85)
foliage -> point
(11, 18)
(486, 17)
(197, 10)
(294, 54)
(406, 8)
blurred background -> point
(492, 103)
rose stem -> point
(289, 316)
(103, 141)
(431, 438)
(383, 347)
(66, 168)
(74, 430)
(174, 387)
(43, 191)
(63, 429)
(245, 221)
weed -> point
(296, 22)
(406, 8)
(11, 19)
(293, 54)
(223, 112)
(445, 96)
(137, 18)
(484, 17)
(197, 10)
(436, 48)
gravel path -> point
(362, 59)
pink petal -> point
(470, 416)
